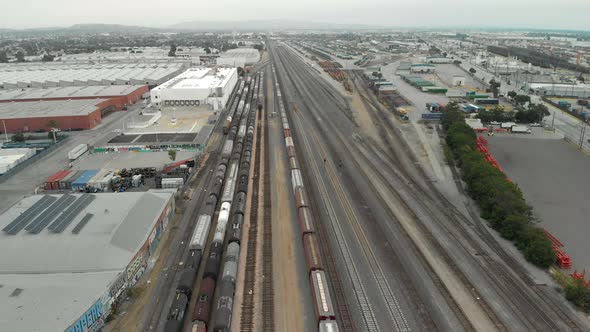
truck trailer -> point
(76, 152)
(521, 130)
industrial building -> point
(9, 158)
(31, 116)
(47, 75)
(196, 87)
(63, 271)
(239, 57)
(125, 94)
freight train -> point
(228, 190)
(324, 307)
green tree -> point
(172, 154)
(18, 137)
(472, 70)
(3, 57)
(207, 50)
(495, 87)
(522, 99)
(20, 56)
(512, 94)
(172, 51)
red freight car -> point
(301, 197)
(305, 221)
(204, 301)
(312, 252)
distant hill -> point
(265, 25)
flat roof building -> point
(46, 75)
(239, 57)
(195, 87)
(63, 274)
(31, 116)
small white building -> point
(196, 87)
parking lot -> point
(554, 178)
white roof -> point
(29, 73)
(199, 78)
(37, 109)
(62, 274)
(68, 91)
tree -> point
(512, 94)
(172, 154)
(3, 57)
(18, 137)
(20, 56)
(259, 47)
(172, 51)
(495, 87)
(207, 50)
(522, 99)
(47, 58)
(472, 70)
(240, 71)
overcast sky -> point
(569, 14)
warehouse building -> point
(63, 271)
(9, 158)
(32, 116)
(124, 94)
(196, 87)
(47, 75)
(239, 57)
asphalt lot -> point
(553, 175)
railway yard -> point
(307, 193)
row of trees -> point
(533, 113)
(501, 201)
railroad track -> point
(443, 290)
(158, 315)
(392, 307)
(250, 291)
(268, 317)
(513, 291)
(249, 295)
(344, 316)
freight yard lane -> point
(382, 298)
(290, 273)
(509, 302)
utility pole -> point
(5, 133)
(553, 121)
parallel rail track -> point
(395, 314)
(249, 295)
(268, 316)
(435, 202)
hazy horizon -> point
(539, 14)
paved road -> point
(369, 198)
(26, 180)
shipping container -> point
(80, 182)
(201, 233)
